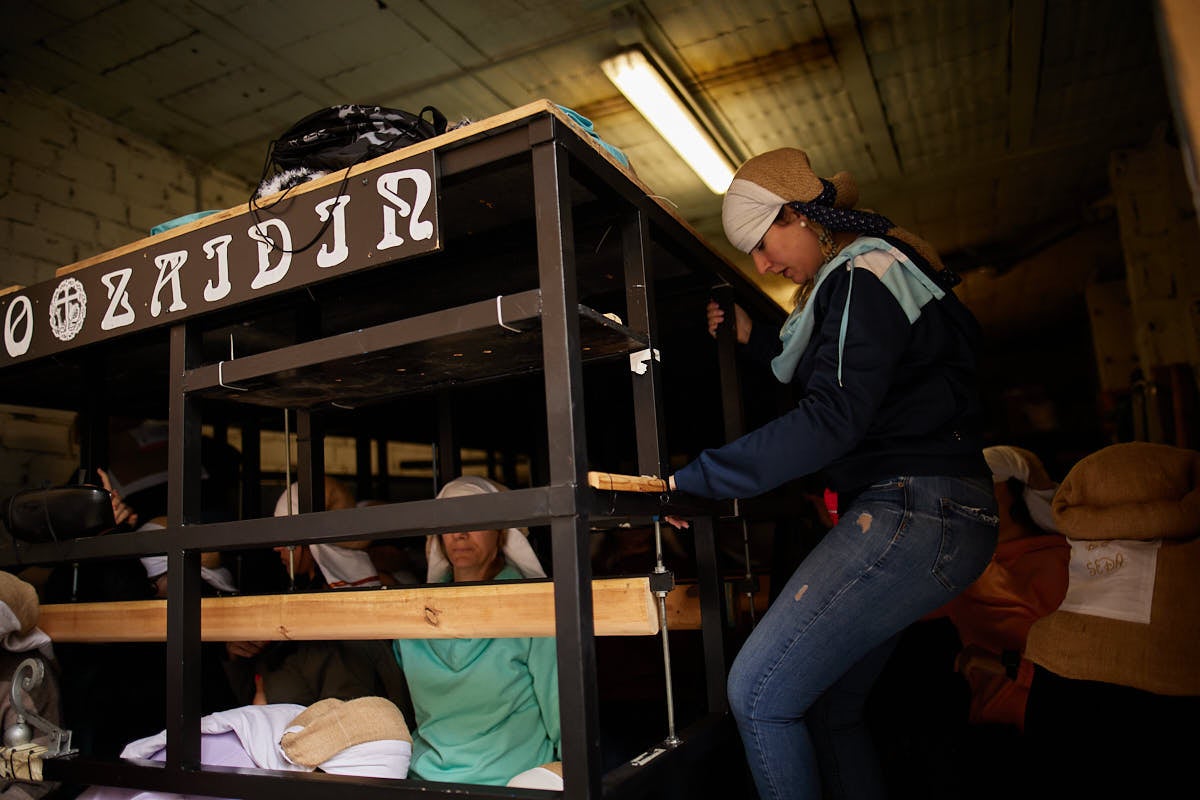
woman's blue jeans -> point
(903, 548)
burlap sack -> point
(1135, 490)
(22, 598)
(1132, 491)
(1162, 657)
(331, 725)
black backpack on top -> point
(340, 136)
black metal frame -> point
(566, 504)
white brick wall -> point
(73, 185)
(37, 448)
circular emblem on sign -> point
(68, 307)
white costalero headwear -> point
(516, 548)
(1015, 462)
(343, 567)
(220, 578)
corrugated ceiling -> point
(986, 126)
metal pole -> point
(287, 494)
(749, 580)
(659, 569)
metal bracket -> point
(662, 582)
(640, 360)
(20, 732)
(221, 379)
(500, 317)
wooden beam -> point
(623, 607)
(683, 604)
(845, 38)
(1178, 23)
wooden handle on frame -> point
(612, 482)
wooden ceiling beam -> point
(1178, 25)
(845, 38)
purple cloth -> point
(216, 749)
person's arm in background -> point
(241, 669)
(759, 342)
(716, 315)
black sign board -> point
(376, 217)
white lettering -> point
(19, 313)
(168, 274)
(268, 275)
(388, 186)
(218, 248)
(119, 313)
(327, 257)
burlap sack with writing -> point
(1132, 491)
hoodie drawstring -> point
(845, 323)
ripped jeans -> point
(797, 688)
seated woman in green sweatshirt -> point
(486, 710)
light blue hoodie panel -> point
(907, 282)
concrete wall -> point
(37, 448)
(73, 185)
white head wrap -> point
(747, 212)
(220, 578)
(517, 551)
(1011, 462)
(343, 567)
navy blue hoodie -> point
(905, 403)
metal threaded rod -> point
(287, 494)
(749, 572)
(671, 739)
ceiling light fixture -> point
(644, 86)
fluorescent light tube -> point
(649, 93)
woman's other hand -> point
(716, 315)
